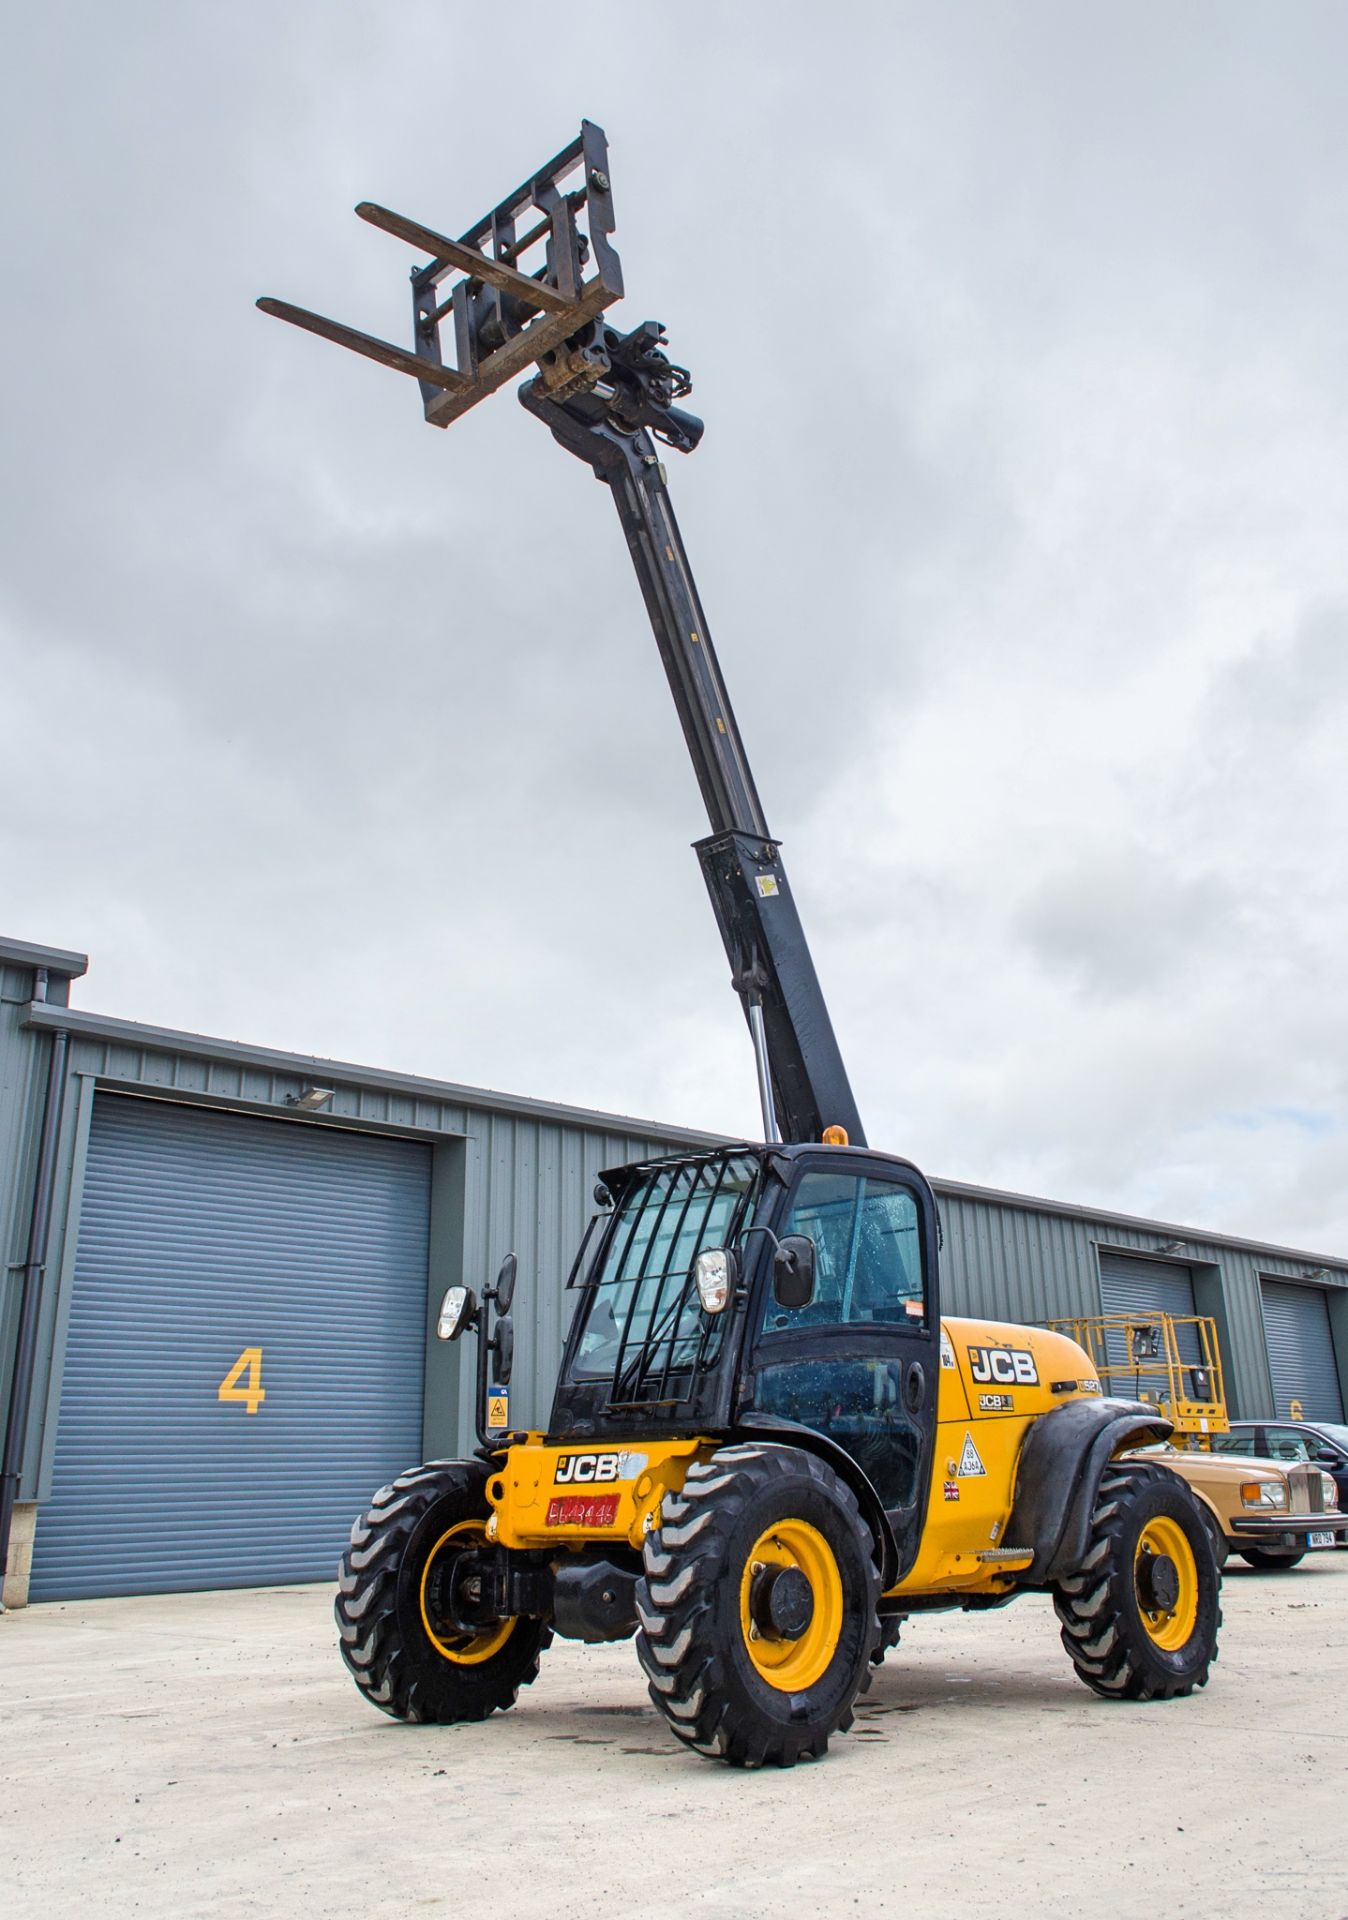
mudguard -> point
(771, 1426)
(1058, 1475)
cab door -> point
(860, 1363)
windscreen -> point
(643, 1321)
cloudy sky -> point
(1020, 522)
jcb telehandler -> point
(766, 1447)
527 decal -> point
(254, 1393)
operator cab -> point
(828, 1334)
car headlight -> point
(1263, 1493)
(1330, 1490)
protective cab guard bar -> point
(506, 310)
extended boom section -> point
(613, 427)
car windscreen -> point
(642, 1314)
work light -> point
(714, 1272)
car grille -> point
(1308, 1491)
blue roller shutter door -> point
(204, 1236)
(1301, 1351)
(1146, 1289)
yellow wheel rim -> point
(467, 1649)
(1168, 1627)
(793, 1665)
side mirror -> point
(715, 1273)
(505, 1283)
(1327, 1457)
(793, 1272)
(503, 1346)
(457, 1311)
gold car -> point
(1269, 1514)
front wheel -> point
(1140, 1614)
(1268, 1562)
(758, 1607)
(399, 1636)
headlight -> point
(1330, 1490)
(1263, 1493)
(714, 1272)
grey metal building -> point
(223, 1265)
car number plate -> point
(1319, 1539)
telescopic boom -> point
(608, 397)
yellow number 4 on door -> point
(253, 1394)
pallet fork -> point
(509, 308)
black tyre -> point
(1217, 1540)
(1268, 1562)
(757, 1607)
(891, 1625)
(1140, 1615)
(404, 1652)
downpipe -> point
(34, 1271)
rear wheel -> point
(1140, 1615)
(1269, 1562)
(399, 1636)
(758, 1607)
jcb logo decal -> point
(575, 1467)
(1004, 1366)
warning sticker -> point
(970, 1464)
(947, 1351)
(767, 885)
(498, 1409)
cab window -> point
(1285, 1443)
(868, 1254)
(1233, 1443)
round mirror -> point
(505, 1283)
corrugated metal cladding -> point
(1301, 1352)
(207, 1237)
(1147, 1288)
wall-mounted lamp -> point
(311, 1099)
(1174, 1246)
(1316, 1273)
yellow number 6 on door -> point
(252, 1395)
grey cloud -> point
(1018, 520)
(1122, 921)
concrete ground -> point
(204, 1754)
